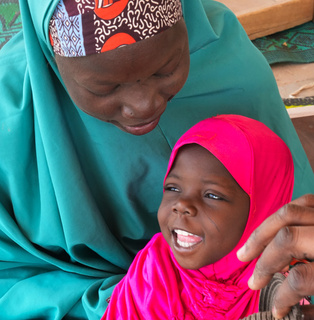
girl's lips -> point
(141, 129)
(185, 240)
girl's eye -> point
(171, 188)
(213, 196)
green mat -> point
(295, 45)
(10, 20)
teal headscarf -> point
(78, 197)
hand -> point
(287, 234)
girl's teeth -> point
(186, 239)
(183, 233)
(185, 244)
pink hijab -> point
(157, 287)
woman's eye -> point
(213, 196)
(169, 69)
(163, 75)
(105, 91)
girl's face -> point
(130, 86)
(204, 211)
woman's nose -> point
(184, 207)
(141, 102)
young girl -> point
(225, 176)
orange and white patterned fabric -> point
(84, 27)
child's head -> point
(225, 176)
(204, 211)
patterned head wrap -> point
(83, 27)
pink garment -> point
(156, 287)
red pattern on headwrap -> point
(109, 9)
(117, 40)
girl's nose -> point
(184, 207)
(141, 102)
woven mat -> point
(293, 45)
(10, 20)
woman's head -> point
(225, 176)
(129, 86)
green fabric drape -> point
(78, 197)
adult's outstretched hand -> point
(287, 234)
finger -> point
(295, 287)
(289, 243)
(306, 200)
(300, 212)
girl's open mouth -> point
(184, 239)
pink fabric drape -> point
(157, 287)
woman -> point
(78, 195)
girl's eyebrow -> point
(219, 181)
(203, 180)
(173, 175)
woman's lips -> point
(141, 129)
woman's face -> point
(204, 211)
(130, 86)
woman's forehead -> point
(130, 62)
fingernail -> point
(275, 313)
(251, 282)
(240, 252)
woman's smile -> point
(141, 129)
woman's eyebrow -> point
(173, 57)
(94, 81)
(90, 83)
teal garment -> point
(79, 197)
